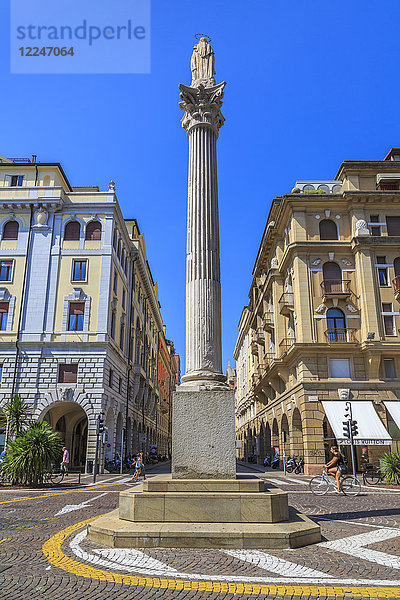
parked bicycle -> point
(54, 476)
(373, 476)
(321, 484)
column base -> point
(204, 380)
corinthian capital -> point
(202, 106)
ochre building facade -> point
(322, 323)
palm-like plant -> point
(16, 416)
(31, 454)
(390, 467)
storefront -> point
(372, 439)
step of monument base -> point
(204, 507)
(114, 532)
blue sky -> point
(309, 84)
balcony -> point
(336, 288)
(285, 345)
(340, 336)
(396, 287)
(268, 358)
(286, 304)
(260, 335)
(254, 348)
(268, 321)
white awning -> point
(371, 431)
(394, 409)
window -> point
(123, 298)
(110, 378)
(93, 231)
(121, 336)
(10, 230)
(67, 373)
(72, 231)
(119, 249)
(336, 324)
(120, 385)
(16, 180)
(389, 369)
(332, 276)
(115, 236)
(340, 368)
(393, 225)
(388, 320)
(115, 283)
(382, 271)
(387, 185)
(396, 264)
(328, 230)
(3, 315)
(6, 267)
(79, 269)
(375, 229)
(76, 314)
(1, 372)
(113, 325)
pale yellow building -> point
(322, 323)
(79, 312)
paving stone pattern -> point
(27, 521)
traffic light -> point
(354, 428)
(100, 423)
(346, 429)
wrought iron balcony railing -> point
(336, 287)
(268, 321)
(340, 335)
(285, 345)
(396, 285)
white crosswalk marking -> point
(353, 546)
(301, 481)
(276, 481)
(271, 563)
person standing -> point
(65, 461)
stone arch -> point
(119, 434)
(135, 445)
(285, 428)
(110, 424)
(275, 434)
(128, 450)
(71, 421)
(268, 449)
(297, 445)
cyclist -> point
(336, 466)
(139, 468)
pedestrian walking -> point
(65, 461)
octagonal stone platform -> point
(235, 513)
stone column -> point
(202, 120)
(203, 416)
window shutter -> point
(393, 225)
(67, 373)
(72, 231)
(10, 231)
(93, 231)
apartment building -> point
(321, 327)
(80, 319)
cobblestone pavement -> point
(44, 552)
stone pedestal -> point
(207, 513)
(203, 434)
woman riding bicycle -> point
(336, 466)
(139, 468)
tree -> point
(31, 454)
(390, 467)
(16, 416)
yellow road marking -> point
(97, 487)
(4, 540)
(53, 551)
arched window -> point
(10, 231)
(336, 323)
(328, 230)
(93, 231)
(332, 275)
(72, 231)
(396, 264)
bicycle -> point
(321, 484)
(54, 476)
(373, 476)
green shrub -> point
(31, 454)
(390, 467)
(16, 416)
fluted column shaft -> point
(202, 121)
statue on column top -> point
(203, 63)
